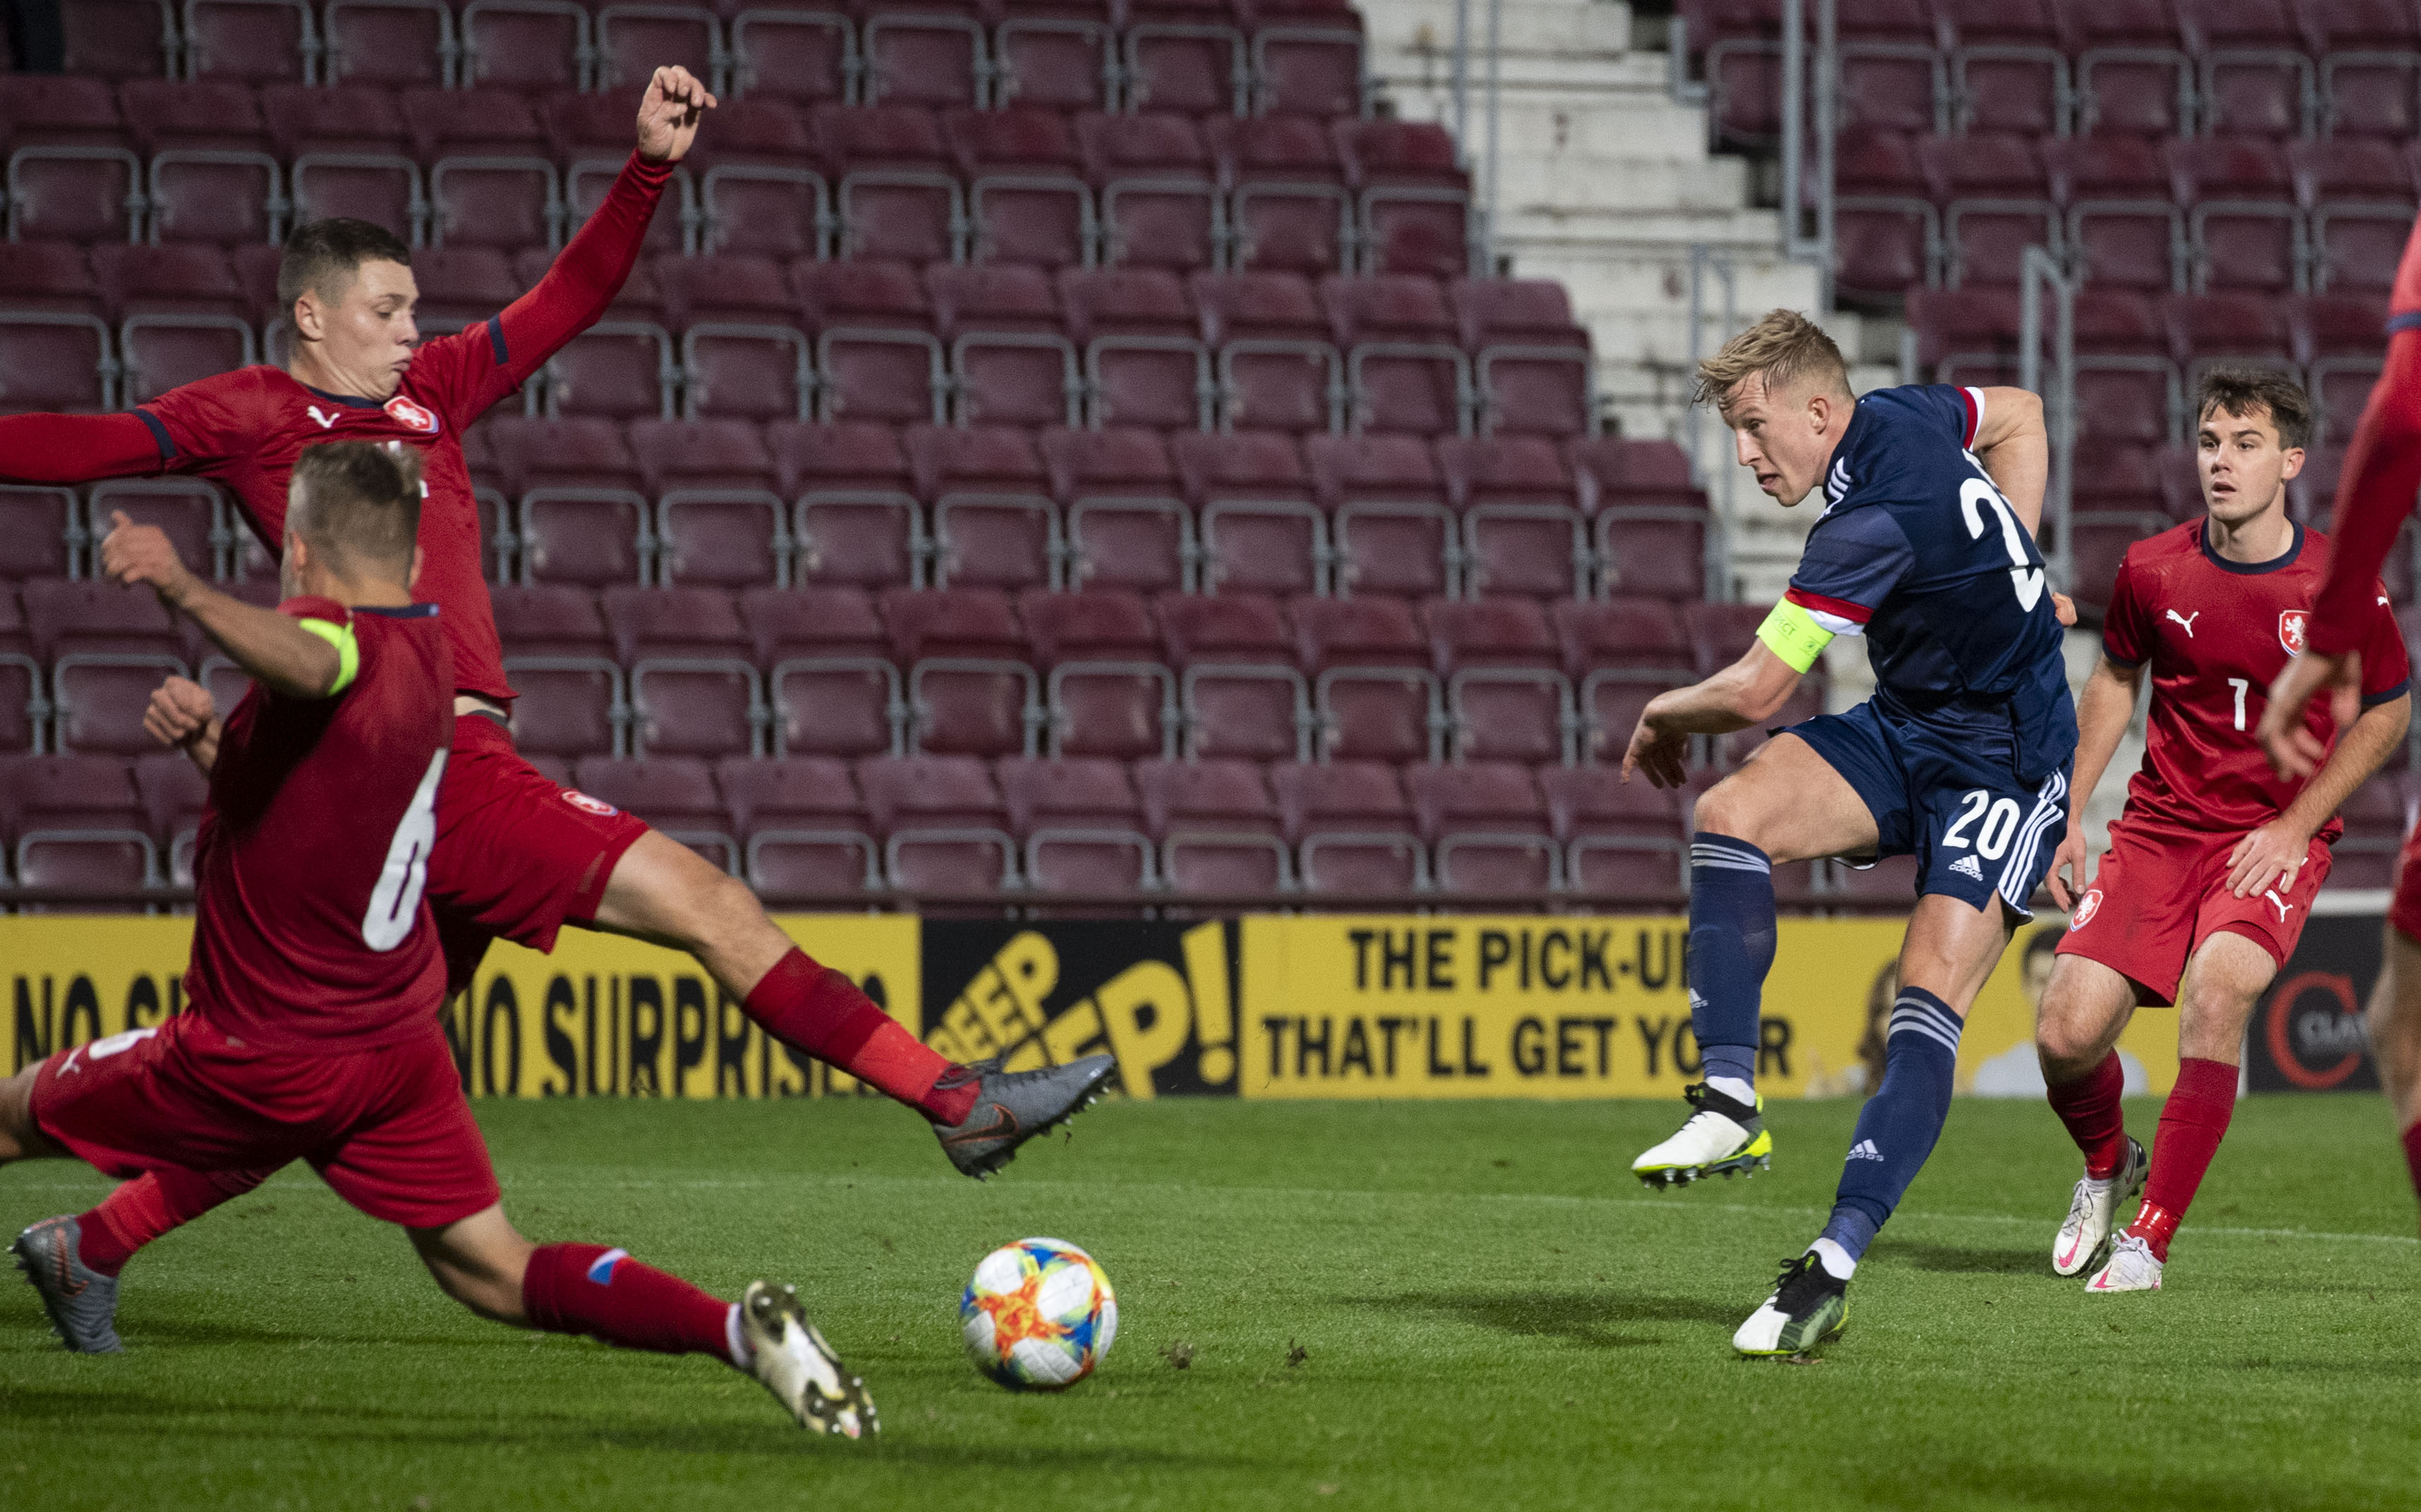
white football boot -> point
(2131, 1268)
(1724, 1136)
(2092, 1211)
(790, 1355)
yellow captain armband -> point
(349, 651)
(1791, 633)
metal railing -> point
(1485, 204)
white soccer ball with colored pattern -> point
(1038, 1314)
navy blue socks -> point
(1900, 1124)
(1731, 948)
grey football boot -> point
(1012, 1107)
(83, 1303)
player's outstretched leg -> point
(481, 1262)
(663, 891)
(2085, 1008)
(1731, 948)
(2395, 1021)
(82, 1302)
(1897, 1130)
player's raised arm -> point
(76, 448)
(276, 650)
(588, 273)
(2015, 448)
(2101, 718)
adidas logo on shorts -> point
(1968, 867)
(1864, 1150)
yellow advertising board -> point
(1319, 1007)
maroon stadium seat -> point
(1243, 695)
(1277, 368)
(496, 201)
(1143, 362)
(1392, 530)
(548, 619)
(1522, 532)
(75, 193)
(117, 39)
(1218, 827)
(187, 508)
(898, 192)
(42, 532)
(633, 41)
(1127, 528)
(1620, 839)
(1158, 187)
(2255, 79)
(1487, 827)
(805, 56)
(1530, 363)
(1999, 203)
(1012, 363)
(970, 690)
(1353, 829)
(589, 536)
(567, 706)
(1261, 531)
(1650, 523)
(856, 520)
(1290, 210)
(1025, 201)
(1108, 694)
(994, 524)
(1411, 196)
(1621, 652)
(392, 42)
(875, 360)
(2123, 227)
(2372, 53)
(942, 823)
(1374, 693)
(1507, 697)
(1081, 824)
(1307, 59)
(1063, 62)
(2133, 74)
(696, 706)
(805, 827)
(924, 57)
(1195, 67)
(250, 40)
(1403, 370)
(675, 794)
(528, 45)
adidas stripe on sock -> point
(1731, 949)
(1900, 1124)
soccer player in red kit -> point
(317, 974)
(2376, 490)
(515, 855)
(2213, 867)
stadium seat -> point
(69, 192)
(396, 43)
(696, 706)
(994, 524)
(2123, 227)
(528, 45)
(1261, 531)
(1195, 67)
(98, 699)
(1311, 64)
(1157, 183)
(1507, 697)
(550, 619)
(42, 533)
(679, 456)
(1289, 211)
(1486, 826)
(1060, 62)
(2133, 77)
(1025, 203)
(1143, 362)
(1082, 825)
(724, 537)
(1412, 199)
(2009, 70)
(2370, 57)
(1353, 829)
(1219, 828)
(1126, 527)
(161, 351)
(1650, 521)
(1391, 529)
(587, 535)
(925, 58)
(2254, 78)
(897, 193)
(970, 690)
(833, 687)
(674, 794)
(100, 860)
(1621, 652)
(1623, 841)
(944, 826)
(633, 41)
(1242, 695)
(1012, 363)
(856, 521)
(804, 825)
(1277, 368)
(1107, 692)
(189, 509)
(1531, 366)
(804, 57)
(871, 363)
(496, 201)
(1522, 532)
(119, 39)
(1403, 370)
(1374, 693)
(568, 706)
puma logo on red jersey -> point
(325, 420)
(2187, 620)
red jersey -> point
(245, 427)
(308, 924)
(2216, 632)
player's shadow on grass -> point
(1964, 1259)
(1592, 1318)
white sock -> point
(1838, 1263)
(1734, 1088)
(735, 1339)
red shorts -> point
(2404, 909)
(516, 855)
(2160, 892)
(387, 1128)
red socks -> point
(822, 1011)
(588, 1288)
(2193, 1122)
(140, 1211)
(2089, 1107)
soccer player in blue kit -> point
(1925, 547)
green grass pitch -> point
(1491, 1314)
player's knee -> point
(1729, 808)
(2064, 1042)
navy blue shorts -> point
(1951, 799)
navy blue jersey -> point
(1918, 551)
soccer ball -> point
(1038, 1314)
